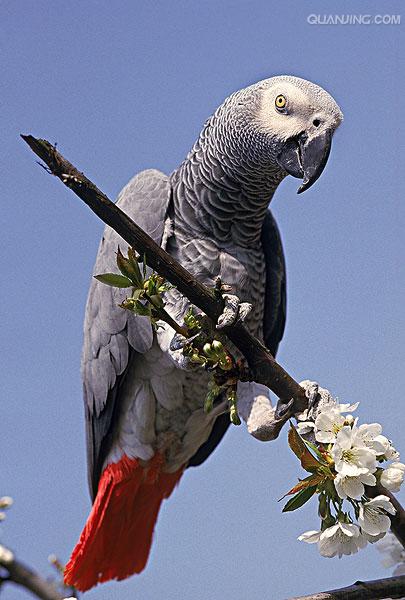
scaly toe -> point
(234, 309)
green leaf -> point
(129, 267)
(300, 499)
(315, 450)
(138, 294)
(144, 266)
(114, 280)
(142, 310)
(310, 481)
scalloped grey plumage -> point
(212, 215)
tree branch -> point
(391, 587)
(25, 577)
(264, 367)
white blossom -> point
(351, 456)
(325, 418)
(342, 538)
(353, 487)
(2, 515)
(371, 435)
(328, 423)
(372, 515)
(393, 476)
(390, 452)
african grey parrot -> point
(143, 401)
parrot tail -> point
(117, 537)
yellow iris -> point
(281, 101)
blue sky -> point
(127, 85)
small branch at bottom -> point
(20, 574)
(391, 587)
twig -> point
(263, 366)
(24, 576)
(391, 587)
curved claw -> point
(234, 309)
(284, 409)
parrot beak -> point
(305, 157)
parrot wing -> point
(113, 336)
(276, 294)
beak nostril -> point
(316, 122)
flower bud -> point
(196, 358)
(225, 363)
(393, 476)
(217, 345)
(6, 556)
(233, 414)
(208, 350)
(6, 502)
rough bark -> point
(392, 587)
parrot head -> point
(295, 121)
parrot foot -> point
(234, 310)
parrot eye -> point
(280, 102)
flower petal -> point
(344, 438)
(382, 502)
(310, 537)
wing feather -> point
(113, 336)
(276, 291)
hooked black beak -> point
(305, 157)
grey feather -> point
(273, 320)
(275, 306)
(113, 336)
(217, 224)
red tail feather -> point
(117, 537)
